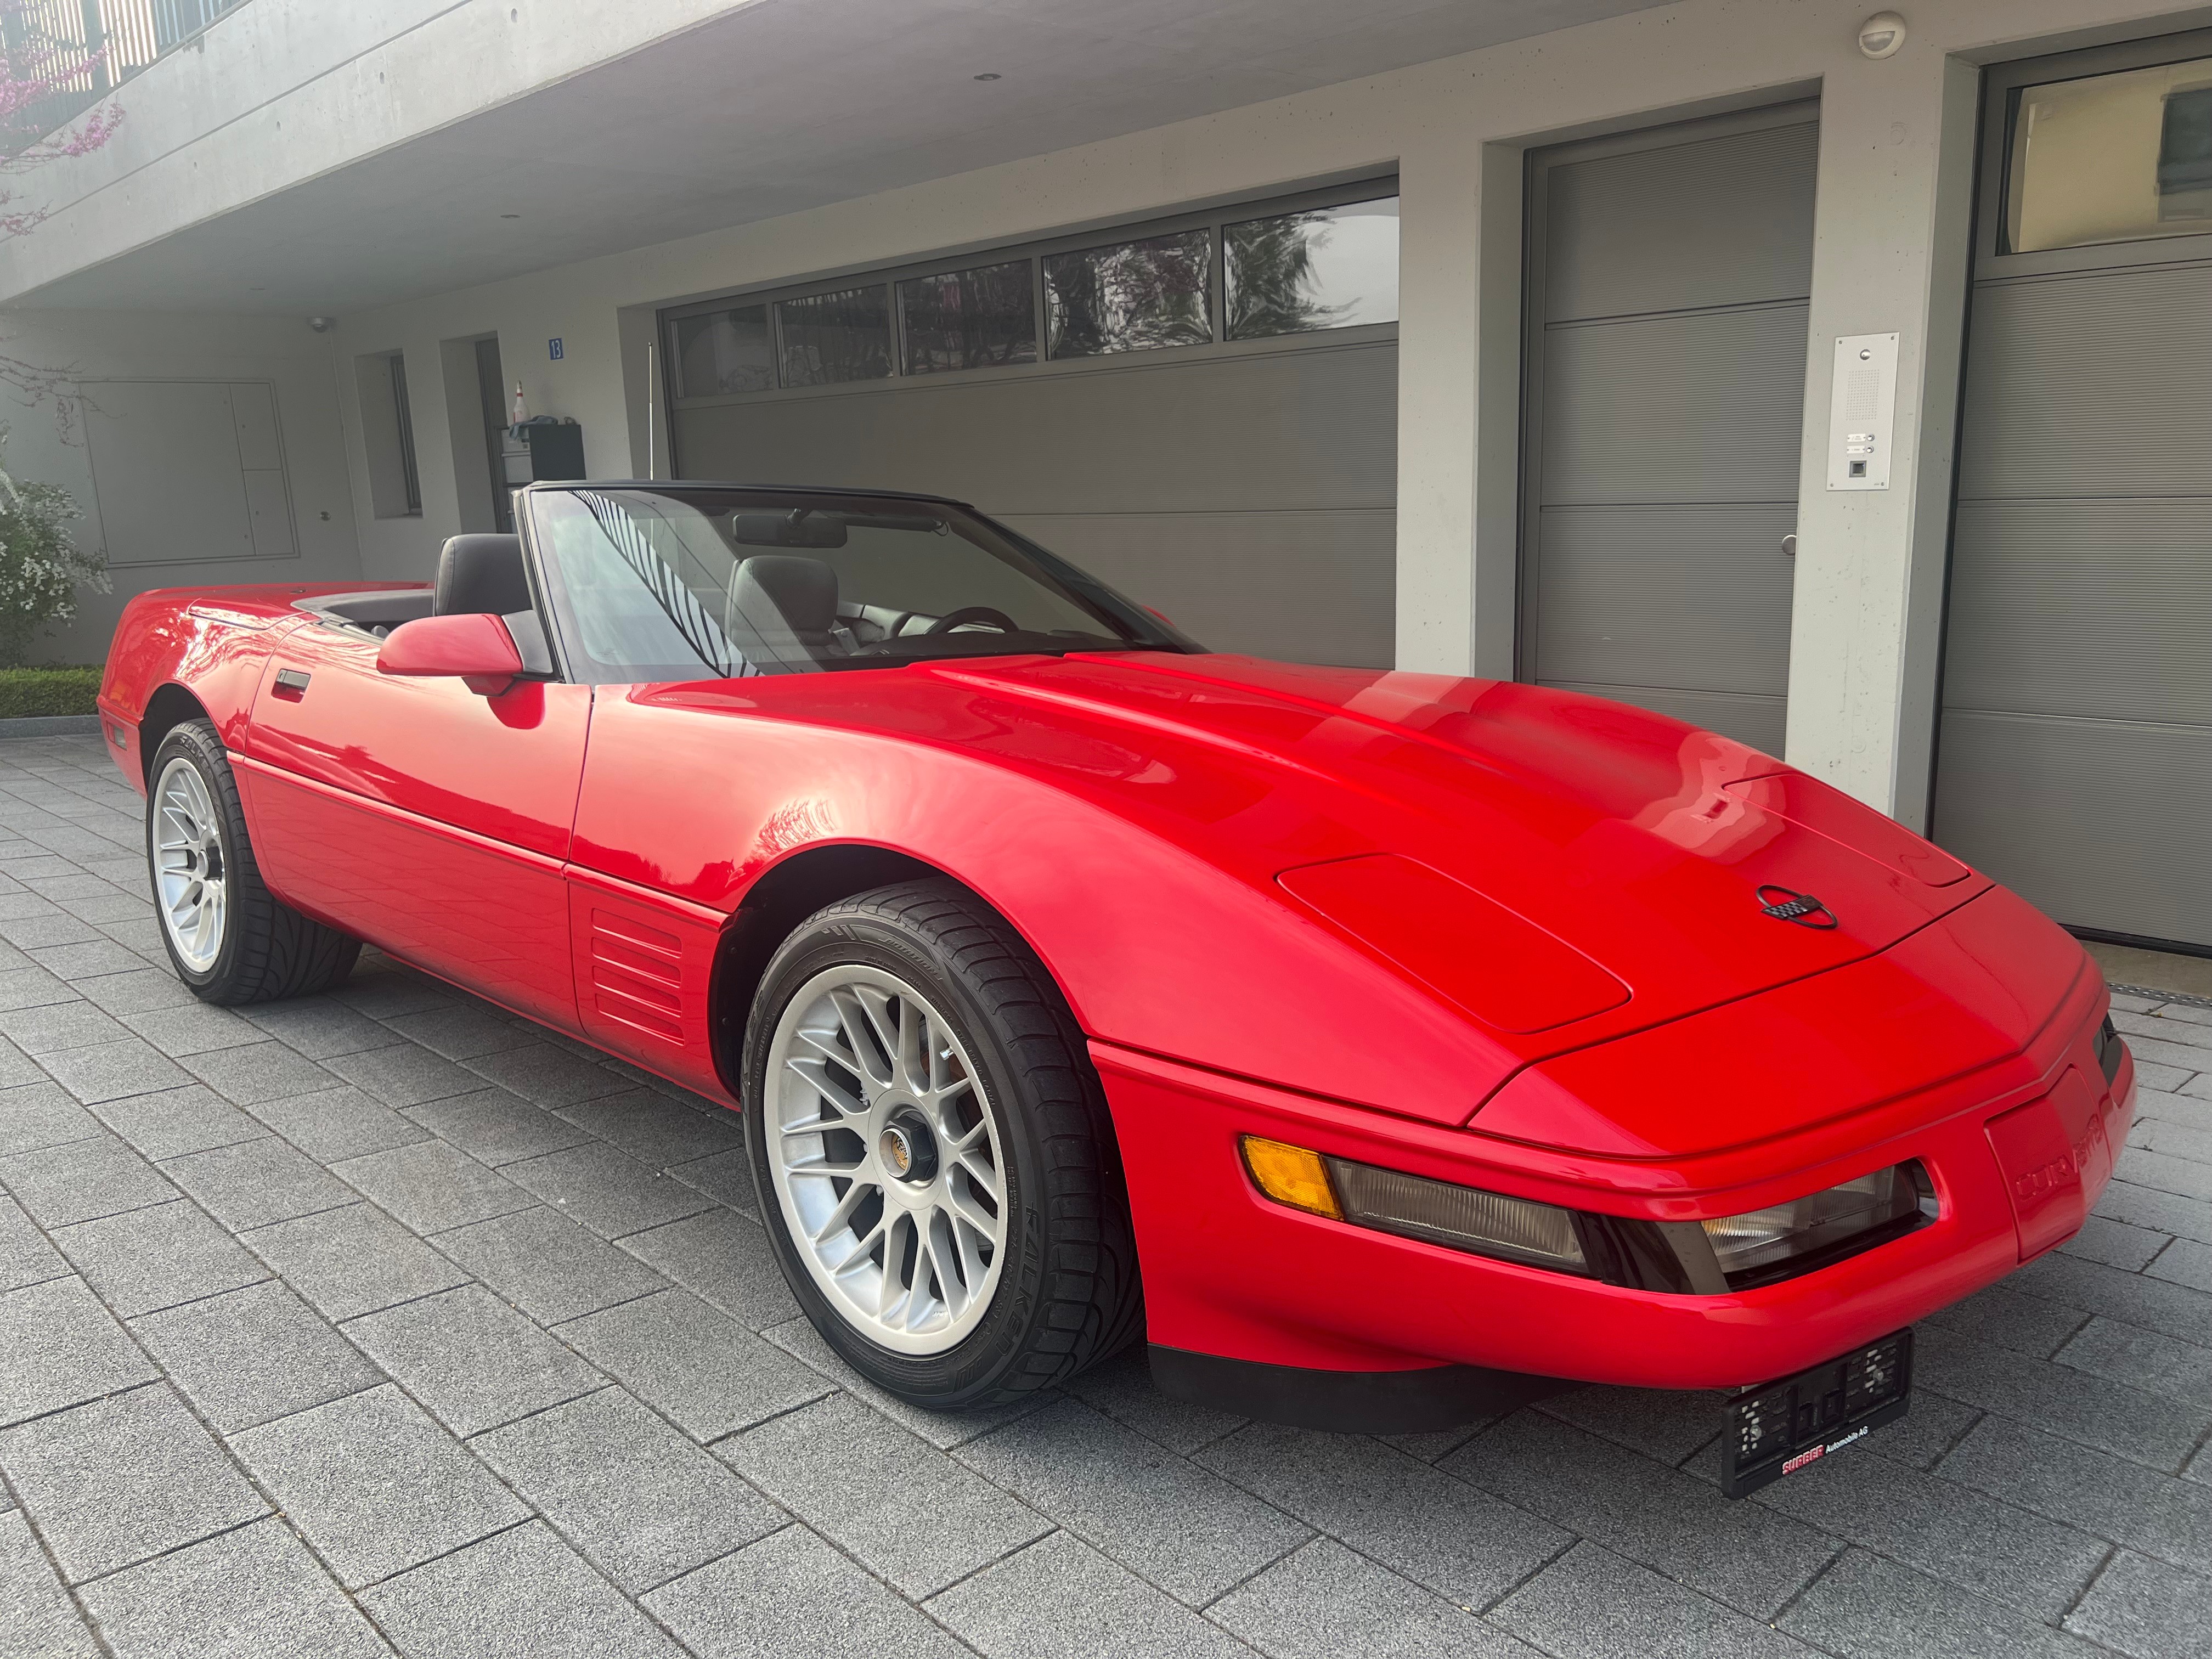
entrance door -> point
(1667, 302)
(2074, 756)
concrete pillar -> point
(1890, 255)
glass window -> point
(1334, 267)
(845, 335)
(722, 351)
(1132, 296)
(969, 319)
(2112, 158)
(684, 582)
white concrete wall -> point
(101, 347)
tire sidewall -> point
(984, 1359)
(195, 743)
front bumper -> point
(1229, 1274)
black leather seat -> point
(479, 575)
(774, 597)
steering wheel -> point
(974, 613)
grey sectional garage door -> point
(1667, 296)
(2074, 759)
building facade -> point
(1845, 385)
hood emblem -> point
(1803, 908)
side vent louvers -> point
(637, 974)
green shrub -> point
(41, 566)
(48, 691)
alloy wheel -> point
(189, 876)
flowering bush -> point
(41, 566)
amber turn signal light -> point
(1291, 1175)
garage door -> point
(1669, 276)
(1201, 410)
(2074, 759)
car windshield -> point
(677, 582)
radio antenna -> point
(649, 472)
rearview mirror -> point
(477, 648)
(803, 528)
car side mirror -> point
(476, 647)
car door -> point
(425, 818)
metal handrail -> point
(89, 48)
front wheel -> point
(932, 1152)
(228, 938)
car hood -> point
(1561, 868)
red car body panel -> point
(1275, 898)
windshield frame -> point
(1145, 630)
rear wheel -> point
(228, 938)
(932, 1152)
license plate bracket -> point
(1780, 1427)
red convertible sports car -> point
(1387, 1046)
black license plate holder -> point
(1793, 1422)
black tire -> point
(266, 950)
(1067, 1295)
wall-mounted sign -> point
(553, 347)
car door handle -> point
(291, 685)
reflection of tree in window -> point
(1270, 277)
(1130, 297)
(976, 318)
(828, 337)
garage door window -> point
(2112, 158)
(977, 318)
(723, 351)
(829, 337)
(1130, 296)
(1295, 273)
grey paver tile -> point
(17, 1069)
(34, 1116)
(792, 1596)
(1919, 1440)
(707, 1372)
(258, 1183)
(337, 1124)
(2111, 1416)
(2006, 1319)
(108, 1070)
(172, 1122)
(1060, 1599)
(609, 1191)
(2134, 1298)
(54, 1026)
(519, 1592)
(943, 1430)
(40, 1623)
(59, 1348)
(1666, 1423)
(431, 1186)
(2147, 1609)
(2154, 1513)
(1742, 1554)
(49, 925)
(253, 1356)
(2169, 1133)
(26, 1258)
(193, 1028)
(375, 1485)
(1590, 1603)
(93, 958)
(1325, 1602)
(496, 1127)
(471, 1359)
(404, 1075)
(548, 1266)
(1122, 1390)
(82, 1181)
(725, 1177)
(137, 991)
(723, 1258)
(2143, 1359)
(1181, 1527)
(122, 1479)
(154, 1258)
(27, 988)
(319, 1027)
(1460, 1542)
(258, 1072)
(654, 1129)
(253, 1594)
(353, 1261)
(904, 1510)
(462, 1031)
(2115, 1243)
(1865, 1608)
(2166, 1173)
(2184, 1261)
(1995, 1549)
(2192, 1111)
(547, 1074)
(642, 1502)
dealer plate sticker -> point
(1781, 1427)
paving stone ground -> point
(386, 1322)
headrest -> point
(776, 594)
(480, 574)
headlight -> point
(1733, 1253)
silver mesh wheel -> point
(190, 882)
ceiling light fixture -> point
(989, 77)
(510, 215)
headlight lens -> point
(1765, 1244)
(1465, 1218)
